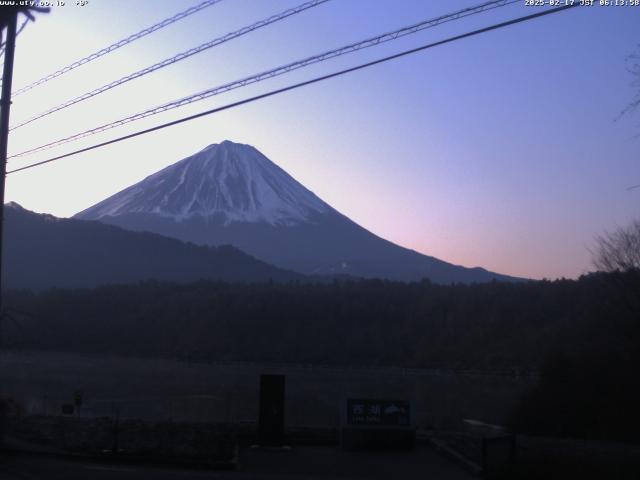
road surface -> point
(299, 463)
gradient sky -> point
(501, 150)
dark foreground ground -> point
(161, 389)
(299, 463)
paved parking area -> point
(298, 463)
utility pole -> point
(5, 107)
(8, 21)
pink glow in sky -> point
(501, 151)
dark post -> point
(5, 106)
(272, 410)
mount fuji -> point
(230, 193)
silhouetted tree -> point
(633, 67)
(619, 250)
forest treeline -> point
(582, 335)
(493, 325)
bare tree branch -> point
(618, 250)
(633, 67)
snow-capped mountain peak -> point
(231, 181)
(231, 194)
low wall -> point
(546, 457)
(200, 442)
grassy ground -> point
(168, 389)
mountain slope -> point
(230, 193)
(229, 181)
(42, 251)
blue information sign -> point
(387, 413)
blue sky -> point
(501, 150)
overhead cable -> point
(302, 84)
(176, 58)
(353, 47)
(120, 43)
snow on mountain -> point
(228, 179)
(231, 194)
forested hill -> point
(494, 325)
(42, 251)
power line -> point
(303, 84)
(389, 36)
(27, 10)
(24, 24)
(121, 43)
(176, 58)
